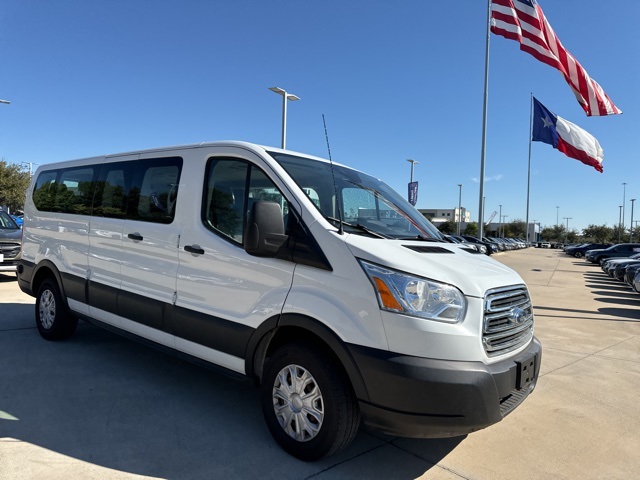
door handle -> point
(195, 248)
(135, 236)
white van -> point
(318, 281)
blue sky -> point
(395, 80)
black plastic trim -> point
(342, 350)
(207, 330)
(427, 398)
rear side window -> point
(232, 186)
(144, 190)
(68, 190)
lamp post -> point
(412, 191)
(624, 193)
(412, 162)
(459, 206)
(631, 229)
(500, 222)
(619, 223)
(31, 164)
(557, 216)
(285, 96)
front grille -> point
(10, 250)
(508, 320)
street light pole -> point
(459, 207)
(557, 216)
(500, 224)
(503, 217)
(624, 194)
(619, 223)
(631, 229)
(412, 162)
(31, 164)
(285, 96)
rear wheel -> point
(307, 403)
(53, 318)
(578, 255)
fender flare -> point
(49, 265)
(261, 338)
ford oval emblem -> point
(518, 316)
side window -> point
(232, 186)
(67, 190)
(44, 192)
(154, 192)
(75, 190)
(112, 189)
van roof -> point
(230, 143)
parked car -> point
(545, 245)
(18, 219)
(10, 243)
(619, 250)
(480, 247)
(636, 282)
(630, 273)
(472, 247)
(618, 269)
(489, 247)
(579, 251)
(495, 248)
(609, 265)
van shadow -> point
(114, 403)
(8, 277)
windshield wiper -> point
(421, 238)
(358, 226)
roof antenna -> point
(335, 188)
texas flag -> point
(565, 136)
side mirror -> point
(264, 233)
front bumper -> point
(426, 398)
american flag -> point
(524, 21)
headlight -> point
(404, 293)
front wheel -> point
(53, 318)
(578, 255)
(307, 403)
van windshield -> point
(367, 205)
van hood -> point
(472, 273)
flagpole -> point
(529, 166)
(484, 126)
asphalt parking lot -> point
(99, 406)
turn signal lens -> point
(386, 297)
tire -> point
(320, 422)
(578, 255)
(53, 319)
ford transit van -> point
(318, 281)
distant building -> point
(441, 215)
